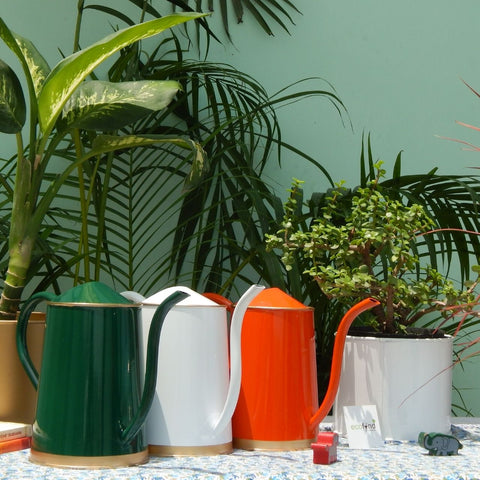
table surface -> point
(395, 460)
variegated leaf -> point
(98, 105)
(68, 74)
(23, 48)
(109, 143)
(37, 65)
(12, 101)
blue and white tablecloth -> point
(393, 461)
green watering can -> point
(91, 408)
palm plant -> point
(60, 103)
(212, 237)
(142, 239)
(263, 12)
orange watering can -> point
(278, 404)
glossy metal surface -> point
(90, 397)
(76, 461)
(278, 395)
(193, 451)
(274, 446)
(196, 390)
(278, 402)
(89, 386)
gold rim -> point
(154, 305)
(266, 307)
(248, 444)
(95, 305)
(173, 451)
(73, 461)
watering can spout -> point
(337, 356)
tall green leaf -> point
(67, 75)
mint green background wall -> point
(396, 65)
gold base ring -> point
(73, 461)
(173, 451)
(249, 444)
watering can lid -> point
(276, 298)
(92, 292)
(193, 300)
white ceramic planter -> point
(409, 380)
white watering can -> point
(199, 376)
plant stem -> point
(76, 39)
(101, 208)
(20, 239)
(83, 243)
(15, 278)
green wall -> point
(397, 66)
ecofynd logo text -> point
(365, 426)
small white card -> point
(363, 427)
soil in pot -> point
(410, 332)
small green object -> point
(439, 444)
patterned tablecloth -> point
(403, 461)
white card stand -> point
(363, 427)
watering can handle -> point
(220, 299)
(337, 357)
(133, 296)
(151, 369)
(235, 351)
(21, 334)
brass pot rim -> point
(290, 309)
(94, 305)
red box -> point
(325, 449)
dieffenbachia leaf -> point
(12, 101)
(34, 66)
(68, 74)
(106, 106)
(37, 65)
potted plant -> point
(203, 236)
(372, 250)
(61, 101)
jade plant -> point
(63, 103)
(372, 250)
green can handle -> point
(151, 369)
(21, 334)
(149, 388)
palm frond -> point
(265, 13)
